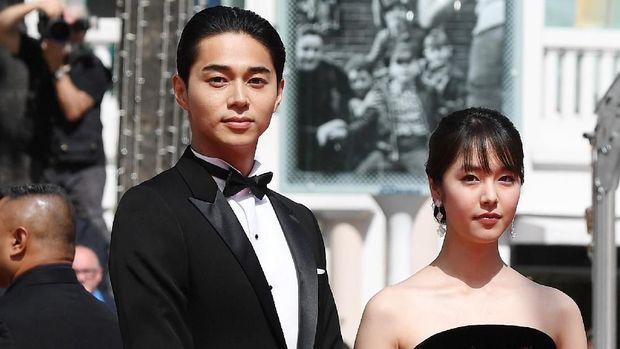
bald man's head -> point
(36, 227)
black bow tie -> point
(236, 182)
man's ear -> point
(19, 241)
(180, 91)
(279, 95)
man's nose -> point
(238, 96)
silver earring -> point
(441, 230)
(513, 234)
(439, 217)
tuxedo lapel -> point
(214, 207)
(306, 272)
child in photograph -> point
(405, 128)
(397, 28)
(444, 82)
(367, 109)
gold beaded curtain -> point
(153, 129)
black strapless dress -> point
(489, 337)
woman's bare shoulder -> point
(392, 317)
(554, 304)
(392, 300)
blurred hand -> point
(335, 128)
(337, 133)
(373, 99)
(52, 8)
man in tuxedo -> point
(45, 306)
(204, 255)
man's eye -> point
(217, 81)
(257, 82)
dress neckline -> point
(454, 330)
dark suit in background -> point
(47, 308)
(185, 275)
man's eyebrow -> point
(223, 68)
(216, 67)
(260, 70)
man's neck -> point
(34, 263)
(241, 162)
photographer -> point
(66, 85)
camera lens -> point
(59, 30)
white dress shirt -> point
(263, 230)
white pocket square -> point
(320, 271)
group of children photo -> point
(369, 113)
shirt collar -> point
(257, 168)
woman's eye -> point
(469, 178)
(507, 179)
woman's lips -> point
(488, 218)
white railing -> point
(578, 66)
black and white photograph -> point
(372, 78)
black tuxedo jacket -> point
(47, 308)
(185, 275)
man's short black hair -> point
(32, 189)
(219, 20)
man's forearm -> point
(9, 18)
(12, 15)
(73, 101)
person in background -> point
(486, 52)
(66, 86)
(44, 306)
(322, 110)
(468, 297)
(367, 108)
(403, 132)
(397, 28)
(90, 274)
(441, 79)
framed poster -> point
(368, 81)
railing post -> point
(605, 173)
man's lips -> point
(238, 122)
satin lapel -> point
(223, 219)
(214, 207)
(306, 272)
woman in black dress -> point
(468, 297)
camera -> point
(53, 28)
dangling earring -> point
(513, 234)
(441, 230)
(439, 217)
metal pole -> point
(604, 266)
